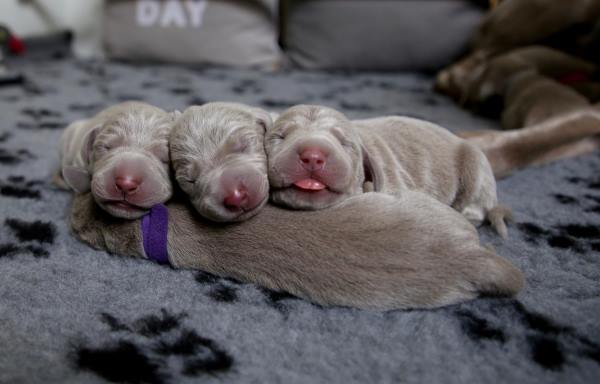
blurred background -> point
(374, 35)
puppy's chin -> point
(123, 210)
(295, 198)
(220, 214)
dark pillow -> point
(375, 34)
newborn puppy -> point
(122, 156)
(219, 159)
(372, 251)
(477, 79)
(317, 158)
(531, 98)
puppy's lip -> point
(244, 214)
(241, 210)
(124, 205)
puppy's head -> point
(218, 155)
(314, 158)
(127, 156)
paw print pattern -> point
(225, 290)
(155, 348)
(33, 238)
(550, 345)
(41, 118)
(576, 237)
(12, 157)
(590, 201)
(18, 187)
(221, 289)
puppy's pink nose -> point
(313, 159)
(238, 198)
(127, 185)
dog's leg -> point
(557, 138)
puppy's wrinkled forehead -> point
(203, 131)
(219, 123)
(137, 128)
(309, 117)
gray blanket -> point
(72, 314)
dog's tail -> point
(497, 217)
(560, 137)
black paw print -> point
(225, 290)
(34, 238)
(577, 237)
(152, 349)
(12, 157)
(549, 344)
(41, 118)
(18, 187)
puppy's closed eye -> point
(239, 147)
(341, 137)
(187, 173)
(161, 151)
(276, 137)
(104, 147)
(101, 149)
(184, 179)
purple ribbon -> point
(155, 227)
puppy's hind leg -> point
(474, 213)
(477, 200)
(493, 275)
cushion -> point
(237, 33)
(376, 34)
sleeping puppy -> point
(122, 156)
(477, 79)
(372, 251)
(317, 158)
(217, 151)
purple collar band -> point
(155, 227)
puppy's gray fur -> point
(218, 144)
(372, 251)
(531, 98)
(130, 134)
(396, 154)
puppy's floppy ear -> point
(264, 118)
(371, 173)
(78, 177)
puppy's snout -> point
(128, 185)
(313, 158)
(129, 174)
(237, 198)
(242, 189)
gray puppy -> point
(317, 158)
(218, 155)
(122, 156)
(371, 251)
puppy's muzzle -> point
(241, 189)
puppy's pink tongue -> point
(310, 184)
